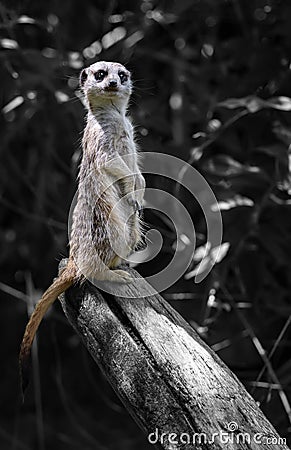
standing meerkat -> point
(105, 223)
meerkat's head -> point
(105, 83)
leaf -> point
(134, 38)
(196, 153)
(209, 257)
(61, 97)
(161, 17)
(251, 102)
(17, 101)
(202, 267)
(202, 251)
(219, 252)
(232, 103)
(114, 36)
(226, 166)
(281, 103)
(10, 44)
(254, 104)
(230, 203)
(26, 19)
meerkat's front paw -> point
(121, 276)
(134, 203)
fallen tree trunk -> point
(175, 387)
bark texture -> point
(170, 381)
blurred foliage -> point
(212, 86)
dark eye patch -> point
(123, 77)
(100, 75)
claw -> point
(136, 206)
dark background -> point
(187, 57)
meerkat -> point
(105, 224)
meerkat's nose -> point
(112, 83)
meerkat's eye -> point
(100, 75)
(123, 77)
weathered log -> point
(175, 387)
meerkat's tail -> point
(60, 285)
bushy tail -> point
(60, 285)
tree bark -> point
(175, 387)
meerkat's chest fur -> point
(108, 136)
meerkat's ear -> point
(83, 77)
